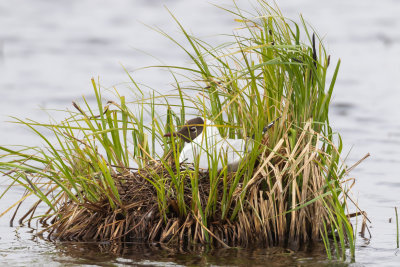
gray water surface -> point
(49, 50)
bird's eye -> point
(193, 129)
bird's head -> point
(190, 130)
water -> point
(49, 50)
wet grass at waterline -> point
(111, 175)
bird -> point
(209, 148)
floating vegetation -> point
(111, 175)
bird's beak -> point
(169, 134)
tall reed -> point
(397, 227)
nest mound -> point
(282, 204)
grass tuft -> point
(111, 175)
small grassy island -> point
(112, 174)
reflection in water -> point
(130, 253)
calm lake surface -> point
(49, 50)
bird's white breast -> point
(210, 149)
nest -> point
(281, 204)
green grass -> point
(288, 191)
(397, 227)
